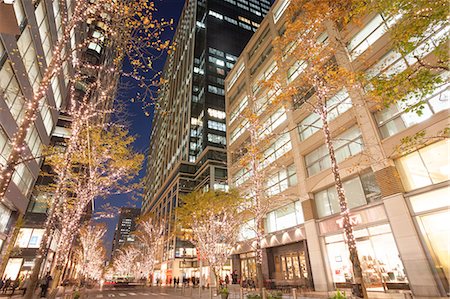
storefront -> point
(248, 266)
(425, 173)
(289, 265)
(380, 262)
(431, 211)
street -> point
(141, 293)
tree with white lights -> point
(212, 220)
(104, 165)
(91, 253)
(129, 30)
(125, 261)
(150, 237)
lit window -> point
(236, 112)
(279, 9)
(216, 15)
(281, 180)
(285, 217)
(337, 105)
(396, 118)
(346, 145)
(216, 113)
(217, 139)
(215, 125)
(427, 166)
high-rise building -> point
(188, 139)
(398, 201)
(24, 57)
(28, 31)
(126, 225)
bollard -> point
(210, 293)
(294, 293)
(241, 293)
(264, 295)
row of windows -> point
(234, 22)
(281, 180)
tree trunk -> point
(348, 228)
(259, 257)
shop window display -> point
(291, 266)
(432, 209)
(380, 262)
(248, 266)
(427, 166)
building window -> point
(215, 125)
(216, 90)
(23, 178)
(5, 147)
(285, 217)
(216, 113)
(359, 191)
(279, 9)
(238, 110)
(273, 121)
(380, 261)
(368, 35)
(282, 180)
(346, 145)
(29, 237)
(397, 118)
(239, 131)
(216, 15)
(5, 214)
(426, 166)
(248, 231)
(241, 176)
(296, 69)
(217, 139)
(281, 146)
(336, 106)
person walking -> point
(25, 284)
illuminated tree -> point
(150, 237)
(91, 252)
(129, 30)
(213, 220)
(125, 261)
(105, 164)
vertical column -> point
(412, 254)
(322, 283)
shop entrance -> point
(380, 262)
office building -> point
(24, 57)
(188, 139)
(126, 225)
(399, 202)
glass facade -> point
(427, 166)
(378, 255)
(432, 210)
(359, 191)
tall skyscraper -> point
(28, 32)
(188, 139)
(125, 227)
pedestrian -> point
(15, 284)
(6, 285)
(227, 279)
(25, 284)
(43, 285)
(234, 277)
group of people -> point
(22, 283)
